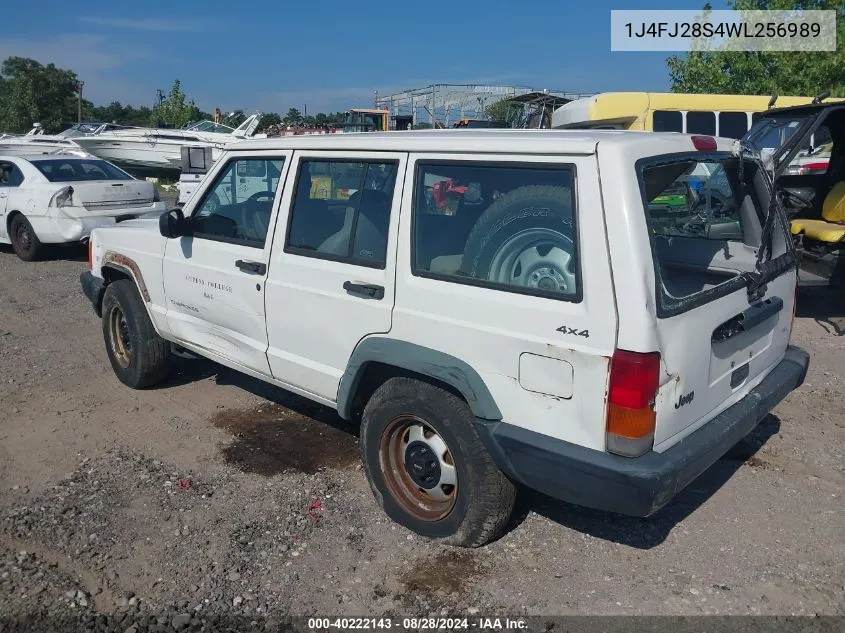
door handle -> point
(366, 290)
(750, 318)
(256, 268)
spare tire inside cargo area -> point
(526, 239)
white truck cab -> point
(555, 309)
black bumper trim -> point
(642, 485)
(93, 288)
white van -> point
(497, 308)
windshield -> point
(208, 126)
(85, 128)
(75, 170)
(769, 134)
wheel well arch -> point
(377, 359)
(112, 272)
(374, 374)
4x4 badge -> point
(574, 331)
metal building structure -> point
(444, 104)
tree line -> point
(31, 92)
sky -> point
(330, 55)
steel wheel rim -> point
(23, 237)
(535, 258)
(410, 445)
(119, 340)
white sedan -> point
(58, 199)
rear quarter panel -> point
(500, 333)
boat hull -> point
(142, 154)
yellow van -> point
(729, 116)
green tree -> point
(31, 92)
(510, 112)
(269, 119)
(293, 117)
(765, 72)
(336, 118)
(175, 109)
(119, 113)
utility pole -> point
(79, 85)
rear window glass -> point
(705, 217)
(75, 170)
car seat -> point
(831, 228)
(312, 220)
(370, 240)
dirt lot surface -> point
(217, 496)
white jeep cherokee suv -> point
(596, 315)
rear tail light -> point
(704, 143)
(90, 254)
(634, 379)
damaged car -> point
(57, 199)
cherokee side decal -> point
(184, 306)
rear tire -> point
(139, 357)
(428, 468)
(25, 242)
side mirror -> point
(172, 223)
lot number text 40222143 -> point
(416, 624)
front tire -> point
(140, 357)
(428, 468)
(25, 242)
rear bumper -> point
(74, 224)
(642, 485)
(93, 288)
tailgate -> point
(717, 340)
(716, 353)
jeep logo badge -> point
(685, 399)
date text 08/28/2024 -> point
(416, 624)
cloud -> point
(150, 24)
(92, 59)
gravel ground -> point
(217, 501)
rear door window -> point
(341, 211)
(10, 175)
